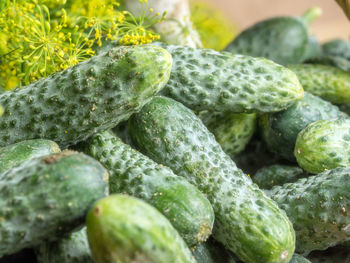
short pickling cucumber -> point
(246, 220)
(212, 252)
(231, 130)
(47, 197)
(299, 259)
(277, 174)
(14, 154)
(132, 173)
(280, 130)
(324, 145)
(124, 229)
(204, 79)
(318, 207)
(281, 39)
(330, 60)
(71, 249)
(92, 96)
(327, 82)
(337, 47)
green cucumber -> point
(71, 249)
(135, 174)
(324, 145)
(318, 207)
(281, 39)
(15, 154)
(212, 252)
(313, 49)
(92, 96)
(277, 174)
(335, 61)
(337, 47)
(299, 259)
(231, 130)
(47, 197)
(246, 220)
(124, 229)
(327, 82)
(204, 79)
(280, 130)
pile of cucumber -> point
(171, 154)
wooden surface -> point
(332, 24)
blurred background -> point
(332, 24)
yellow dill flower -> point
(214, 29)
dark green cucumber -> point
(212, 252)
(329, 60)
(281, 39)
(299, 259)
(71, 249)
(46, 197)
(337, 47)
(324, 145)
(124, 229)
(204, 79)
(327, 82)
(132, 173)
(277, 174)
(280, 130)
(313, 49)
(318, 207)
(15, 154)
(231, 130)
(246, 221)
(92, 96)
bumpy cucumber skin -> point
(327, 82)
(318, 207)
(324, 145)
(124, 229)
(212, 252)
(329, 60)
(92, 96)
(71, 249)
(204, 79)
(299, 259)
(231, 130)
(281, 39)
(133, 173)
(280, 130)
(277, 174)
(337, 47)
(46, 197)
(14, 154)
(246, 221)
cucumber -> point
(124, 229)
(135, 174)
(92, 96)
(15, 154)
(277, 174)
(231, 130)
(71, 249)
(318, 208)
(299, 259)
(337, 47)
(246, 221)
(313, 49)
(204, 79)
(212, 252)
(324, 145)
(281, 39)
(335, 61)
(46, 197)
(327, 82)
(280, 130)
